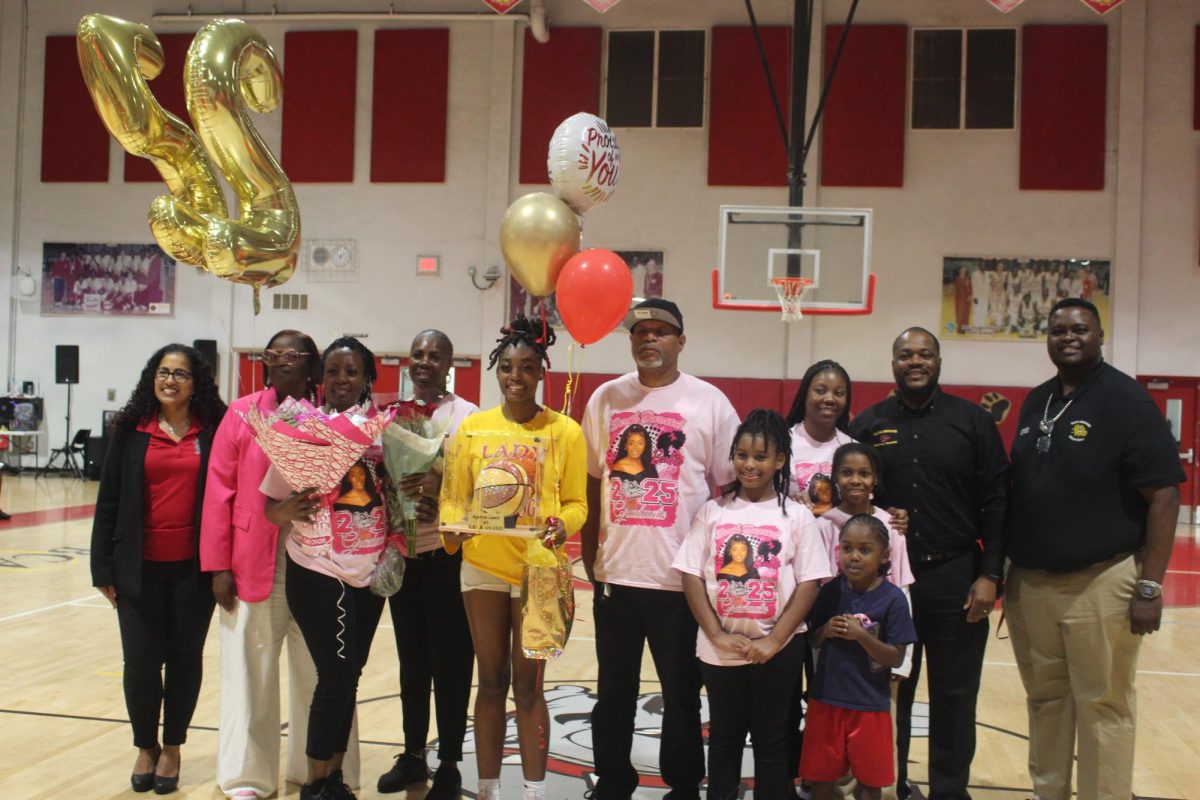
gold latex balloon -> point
(229, 67)
(538, 234)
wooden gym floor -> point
(63, 729)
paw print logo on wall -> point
(997, 405)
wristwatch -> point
(1149, 590)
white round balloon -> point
(584, 161)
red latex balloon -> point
(593, 294)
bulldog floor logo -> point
(569, 766)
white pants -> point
(249, 736)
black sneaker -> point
(336, 788)
(447, 784)
(407, 770)
(314, 790)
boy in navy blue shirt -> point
(862, 626)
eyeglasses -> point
(283, 357)
(180, 375)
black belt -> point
(938, 558)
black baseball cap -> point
(655, 308)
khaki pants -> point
(1078, 658)
(248, 740)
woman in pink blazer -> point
(242, 550)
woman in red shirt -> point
(144, 551)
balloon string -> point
(542, 312)
(573, 371)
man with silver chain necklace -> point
(1095, 499)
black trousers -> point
(754, 699)
(431, 629)
(162, 638)
(953, 656)
(626, 619)
(338, 622)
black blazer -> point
(117, 527)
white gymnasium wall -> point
(960, 197)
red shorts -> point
(839, 740)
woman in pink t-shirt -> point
(329, 571)
(818, 420)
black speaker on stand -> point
(66, 370)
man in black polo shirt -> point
(1095, 498)
(944, 462)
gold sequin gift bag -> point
(547, 602)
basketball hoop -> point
(791, 294)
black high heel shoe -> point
(144, 781)
(165, 785)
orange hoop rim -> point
(792, 283)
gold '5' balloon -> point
(229, 67)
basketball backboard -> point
(829, 246)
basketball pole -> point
(799, 141)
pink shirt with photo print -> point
(751, 556)
(659, 453)
(811, 458)
(349, 539)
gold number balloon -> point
(228, 67)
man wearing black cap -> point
(658, 445)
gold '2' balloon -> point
(229, 67)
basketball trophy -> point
(492, 484)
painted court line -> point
(33, 611)
(1139, 672)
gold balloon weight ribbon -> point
(229, 69)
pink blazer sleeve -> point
(216, 529)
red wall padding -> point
(74, 141)
(561, 78)
(862, 133)
(319, 75)
(1064, 71)
(744, 144)
(408, 107)
(168, 90)
(747, 394)
(1196, 83)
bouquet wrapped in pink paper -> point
(311, 449)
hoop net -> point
(791, 294)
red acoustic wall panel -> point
(408, 107)
(74, 141)
(319, 77)
(1064, 71)
(862, 133)
(168, 90)
(561, 78)
(744, 144)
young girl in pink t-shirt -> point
(858, 474)
(750, 567)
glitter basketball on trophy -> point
(491, 484)
(502, 488)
